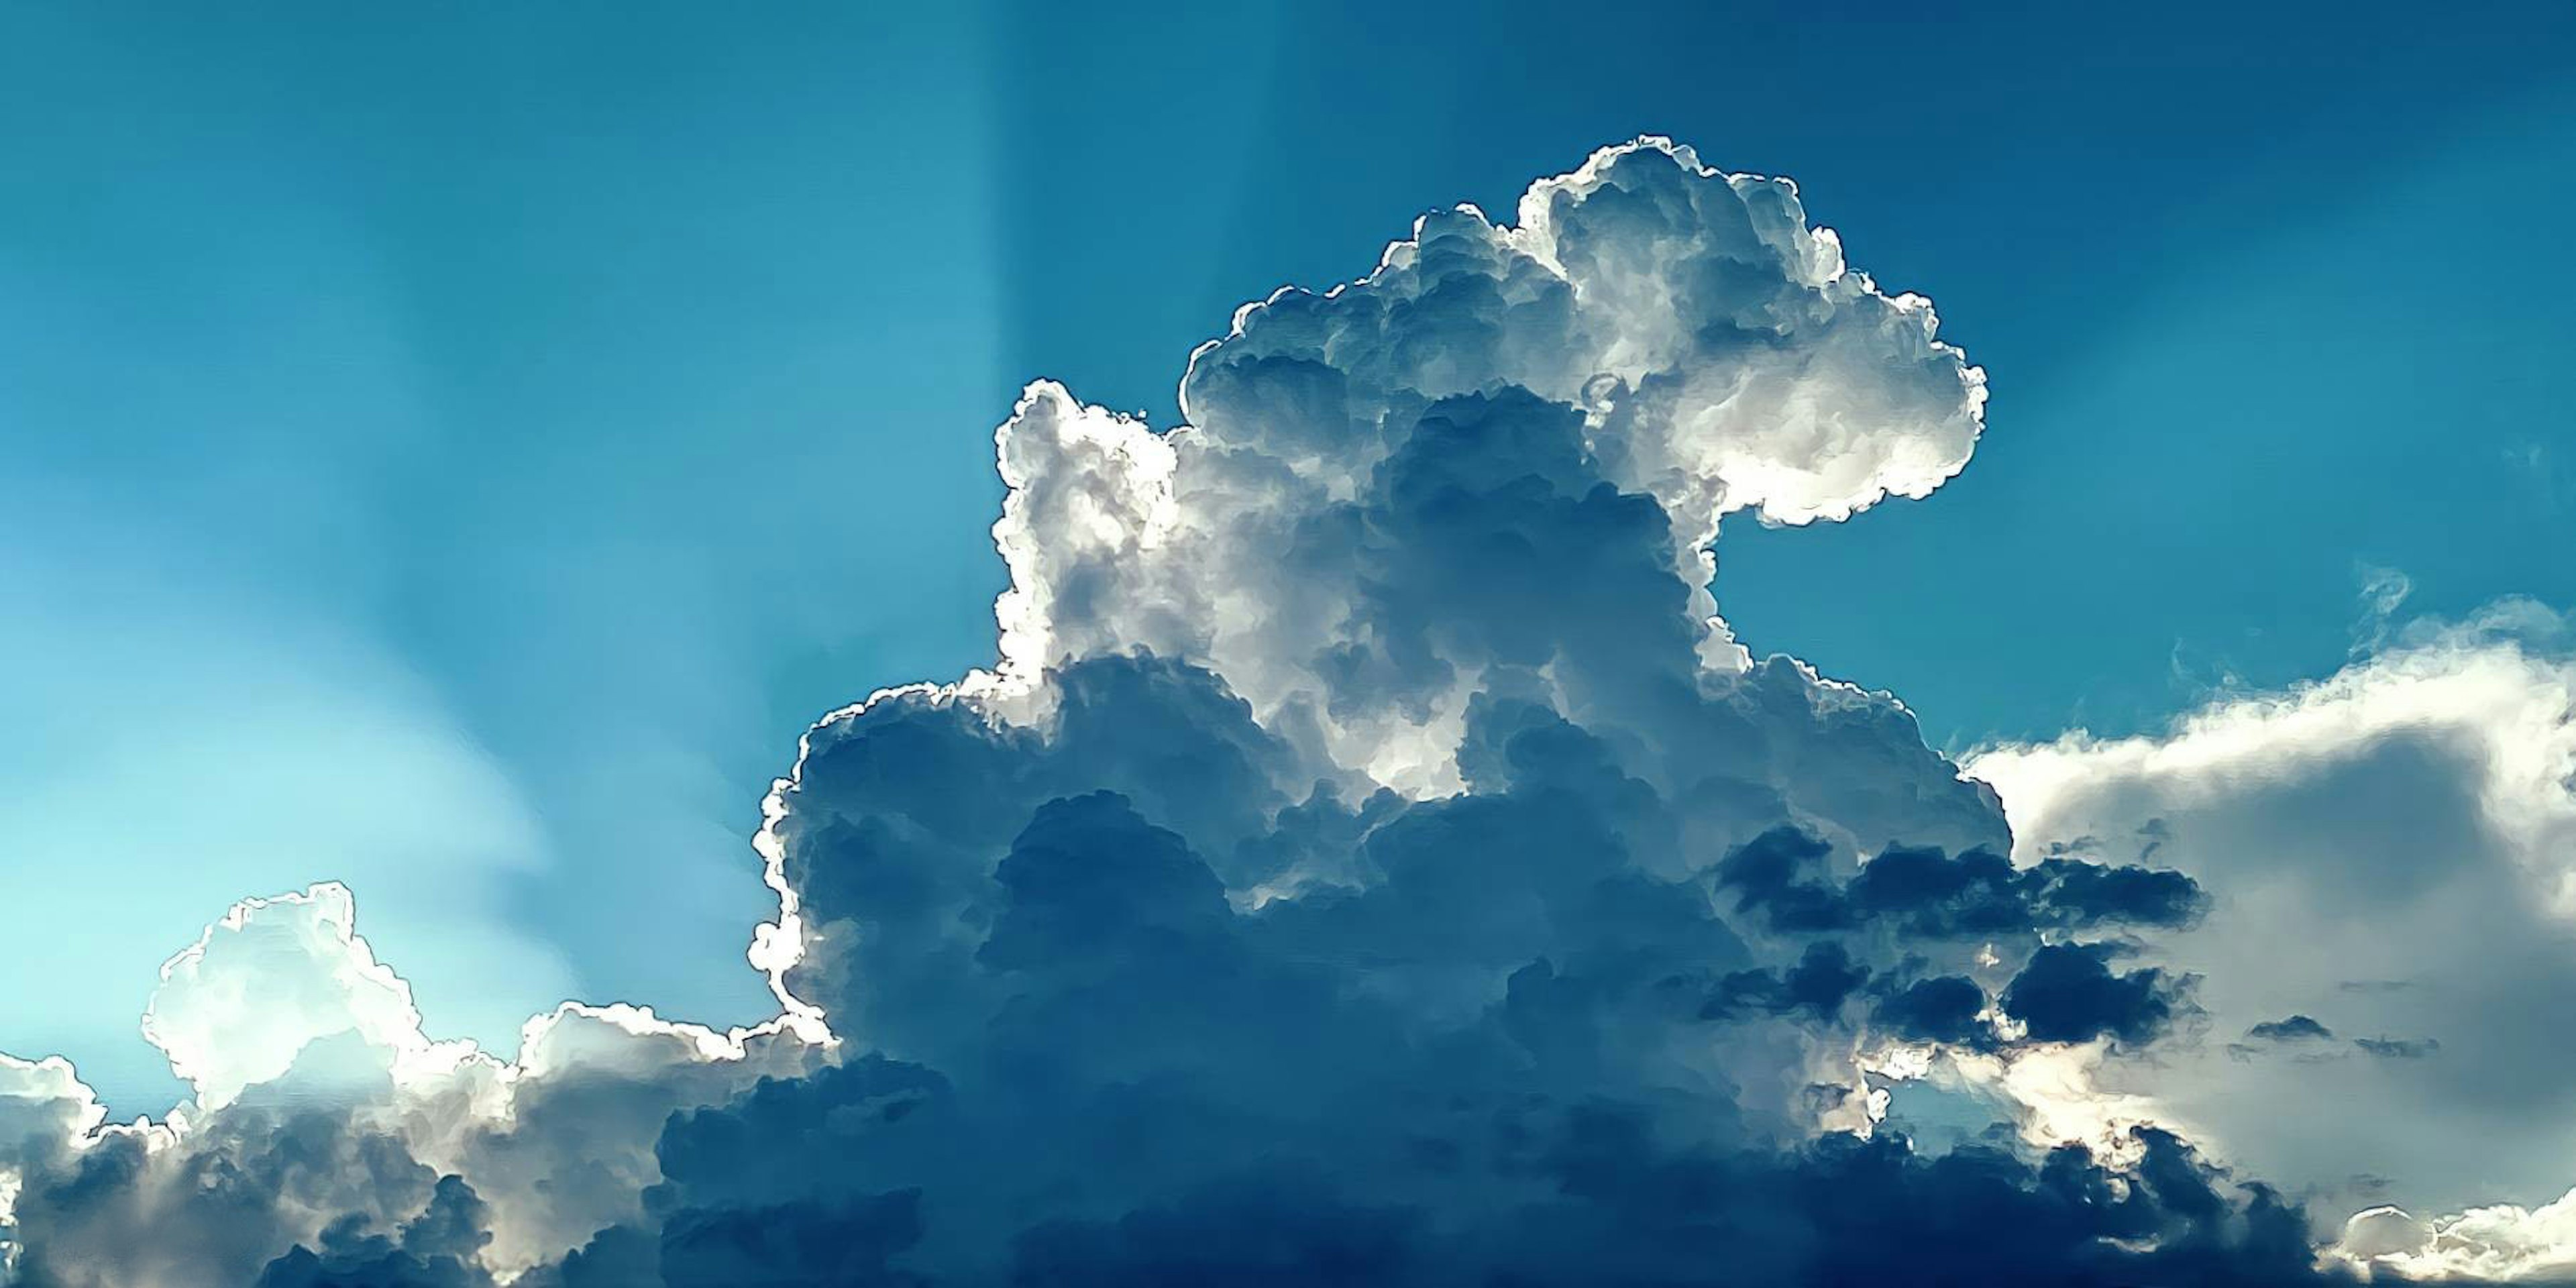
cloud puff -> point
(1344, 530)
(323, 1119)
(2294, 1028)
(2494, 1244)
(1929, 894)
(1370, 863)
(240, 1007)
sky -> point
(456, 454)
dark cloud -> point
(1920, 891)
(1477, 1048)
(2069, 993)
(1823, 979)
(2295, 1028)
(1769, 876)
(2397, 1048)
(1943, 1009)
(257, 1170)
(436, 1249)
(1843, 1211)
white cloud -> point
(1721, 353)
(270, 979)
(281, 1008)
(2392, 851)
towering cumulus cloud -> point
(1371, 862)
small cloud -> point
(2154, 833)
(2532, 465)
(2296, 1028)
(2397, 1048)
(2383, 592)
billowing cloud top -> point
(1677, 335)
(1371, 862)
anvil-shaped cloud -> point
(1371, 861)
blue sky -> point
(458, 455)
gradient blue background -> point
(455, 450)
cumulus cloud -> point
(328, 1136)
(239, 1009)
(1679, 339)
(2390, 852)
(1371, 861)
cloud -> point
(1948, 1008)
(1371, 862)
(2494, 1244)
(324, 1120)
(1932, 895)
(2294, 1028)
(239, 1009)
(2069, 993)
(1679, 338)
(2397, 1048)
(2391, 853)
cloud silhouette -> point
(1371, 861)
(2294, 1028)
